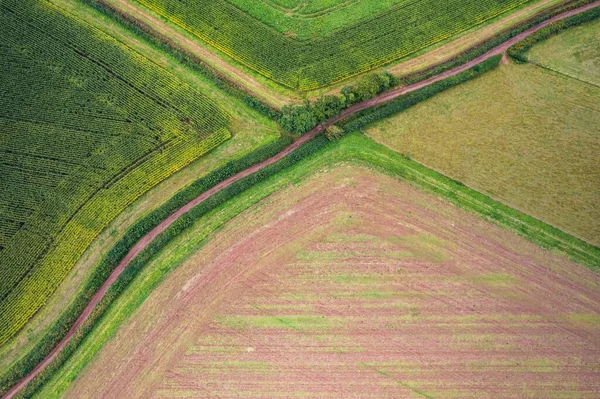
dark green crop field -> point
(373, 41)
(86, 126)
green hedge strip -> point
(373, 114)
(144, 225)
(148, 222)
(488, 45)
(186, 220)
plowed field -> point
(351, 284)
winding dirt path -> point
(148, 238)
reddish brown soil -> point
(350, 111)
(354, 285)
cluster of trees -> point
(408, 100)
(300, 119)
(370, 86)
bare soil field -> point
(352, 284)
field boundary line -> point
(147, 239)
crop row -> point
(87, 127)
(315, 63)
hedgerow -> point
(300, 119)
(139, 229)
(130, 238)
(519, 50)
(144, 225)
(372, 114)
(488, 45)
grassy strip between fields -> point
(316, 155)
(188, 59)
(488, 45)
(519, 50)
(222, 81)
(366, 150)
(112, 259)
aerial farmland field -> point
(521, 134)
(78, 155)
(336, 279)
(332, 198)
(371, 41)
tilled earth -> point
(354, 285)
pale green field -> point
(574, 52)
(521, 134)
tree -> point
(298, 119)
(368, 87)
(327, 107)
(334, 132)
(349, 96)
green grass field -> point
(371, 42)
(304, 20)
(575, 53)
(524, 135)
(110, 125)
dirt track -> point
(148, 238)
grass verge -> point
(315, 156)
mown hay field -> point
(575, 53)
(336, 279)
(524, 135)
(88, 125)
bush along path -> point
(152, 233)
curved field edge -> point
(27, 339)
(392, 107)
(353, 149)
(101, 271)
(308, 20)
(60, 230)
(297, 156)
